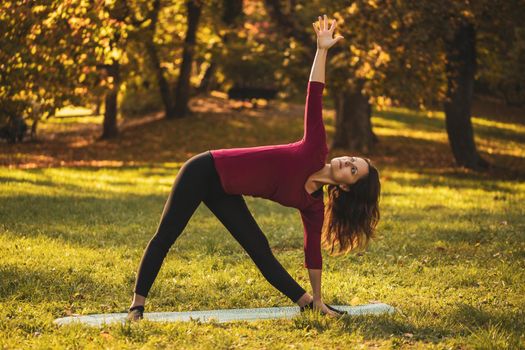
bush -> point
(141, 97)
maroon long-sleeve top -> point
(279, 173)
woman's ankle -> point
(304, 300)
(138, 300)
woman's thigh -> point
(234, 214)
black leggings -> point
(198, 181)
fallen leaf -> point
(355, 301)
(106, 335)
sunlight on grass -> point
(497, 124)
(73, 111)
(493, 137)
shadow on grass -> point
(470, 316)
(376, 327)
(34, 285)
(423, 325)
(86, 221)
(122, 221)
(455, 181)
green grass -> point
(449, 256)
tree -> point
(232, 16)
(461, 26)
(157, 39)
(460, 68)
(118, 22)
(349, 76)
(194, 8)
(47, 56)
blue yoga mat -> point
(224, 315)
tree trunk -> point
(151, 49)
(207, 81)
(182, 92)
(110, 129)
(33, 129)
(232, 17)
(460, 69)
(353, 128)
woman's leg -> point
(232, 211)
(191, 186)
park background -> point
(101, 102)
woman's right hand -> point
(320, 306)
(324, 34)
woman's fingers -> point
(325, 24)
(315, 28)
(332, 25)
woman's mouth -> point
(340, 163)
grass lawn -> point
(449, 254)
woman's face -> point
(347, 170)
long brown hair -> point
(352, 216)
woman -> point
(291, 174)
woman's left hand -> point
(324, 34)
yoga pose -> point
(291, 174)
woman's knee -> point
(198, 164)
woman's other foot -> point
(308, 306)
(340, 312)
(135, 313)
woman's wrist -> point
(322, 52)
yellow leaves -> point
(382, 102)
(382, 58)
(115, 54)
(78, 22)
(365, 71)
(367, 61)
(38, 8)
(352, 9)
(106, 335)
(467, 14)
(394, 25)
(80, 90)
(373, 4)
(259, 48)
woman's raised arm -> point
(314, 125)
(324, 42)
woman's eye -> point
(352, 159)
(354, 171)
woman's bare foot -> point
(136, 310)
(305, 300)
(135, 313)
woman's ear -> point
(344, 187)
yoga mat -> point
(224, 315)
